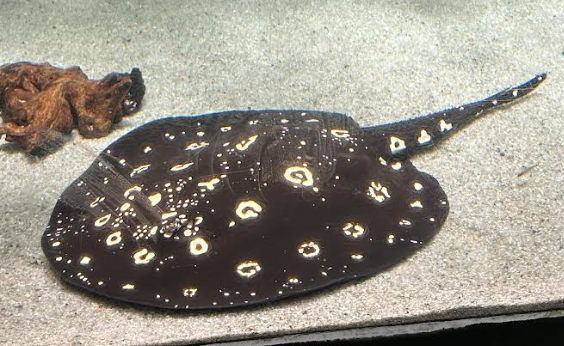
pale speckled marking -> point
(128, 193)
(444, 126)
(354, 230)
(114, 238)
(299, 176)
(309, 249)
(424, 138)
(143, 256)
(199, 246)
(416, 204)
(190, 292)
(248, 209)
(339, 133)
(405, 222)
(168, 215)
(209, 185)
(181, 167)
(125, 206)
(357, 256)
(139, 170)
(244, 144)
(397, 145)
(378, 192)
(85, 260)
(194, 146)
(155, 198)
(417, 186)
(102, 220)
(293, 280)
(248, 269)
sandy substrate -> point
(502, 249)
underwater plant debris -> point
(245, 207)
(39, 102)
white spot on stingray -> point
(194, 146)
(309, 249)
(357, 256)
(405, 222)
(143, 256)
(416, 204)
(444, 126)
(311, 121)
(378, 192)
(155, 198)
(231, 223)
(181, 167)
(244, 144)
(340, 133)
(189, 292)
(396, 144)
(293, 280)
(56, 244)
(139, 170)
(248, 209)
(200, 133)
(128, 192)
(198, 246)
(354, 230)
(168, 215)
(396, 165)
(284, 121)
(299, 176)
(97, 201)
(125, 206)
(103, 220)
(147, 149)
(417, 186)
(391, 239)
(424, 138)
(114, 238)
(128, 287)
(85, 260)
(210, 185)
(382, 161)
(248, 269)
(225, 128)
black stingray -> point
(244, 207)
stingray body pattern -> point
(245, 207)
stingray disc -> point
(244, 207)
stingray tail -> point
(414, 135)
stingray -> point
(239, 208)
